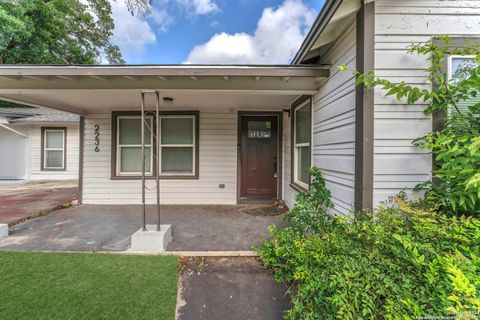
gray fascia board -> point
(165, 70)
(328, 10)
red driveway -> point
(19, 202)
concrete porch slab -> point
(109, 228)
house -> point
(230, 134)
(38, 144)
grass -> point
(87, 286)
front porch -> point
(109, 228)
(214, 134)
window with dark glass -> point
(178, 145)
(54, 149)
(129, 145)
(302, 132)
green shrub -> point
(401, 261)
(456, 146)
(457, 159)
(311, 207)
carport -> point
(95, 92)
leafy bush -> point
(400, 261)
(311, 206)
(456, 147)
(457, 158)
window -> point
(459, 68)
(259, 129)
(53, 148)
(302, 132)
(178, 153)
(177, 145)
(129, 145)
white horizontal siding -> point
(334, 124)
(12, 155)
(333, 127)
(34, 158)
(397, 164)
(217, 165)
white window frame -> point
(297, 146)
(119, 146)
(450, 69)
(450, 64)
(45, 149)
(193, 146)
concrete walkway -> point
(20, 201)
(229, 288)
(109, 227)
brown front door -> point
(259, 163)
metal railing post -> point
(157, 95)
(143, 162)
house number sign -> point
(97, 137)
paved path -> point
(20, 201)
(109, 228)
(229, 288)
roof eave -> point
(329, 9)
(44, 122)
(164, 70)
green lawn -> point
(87, 286)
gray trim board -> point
(364, 109)
(17, 71)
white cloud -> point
(278, 35)
(215, 24)
(160, 18)
(199, 7)
(132, 34)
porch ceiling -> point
(84, 89)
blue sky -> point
(214, 31)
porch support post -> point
(157, 152)
(364, 111)
(143, 161)
(81, 131)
